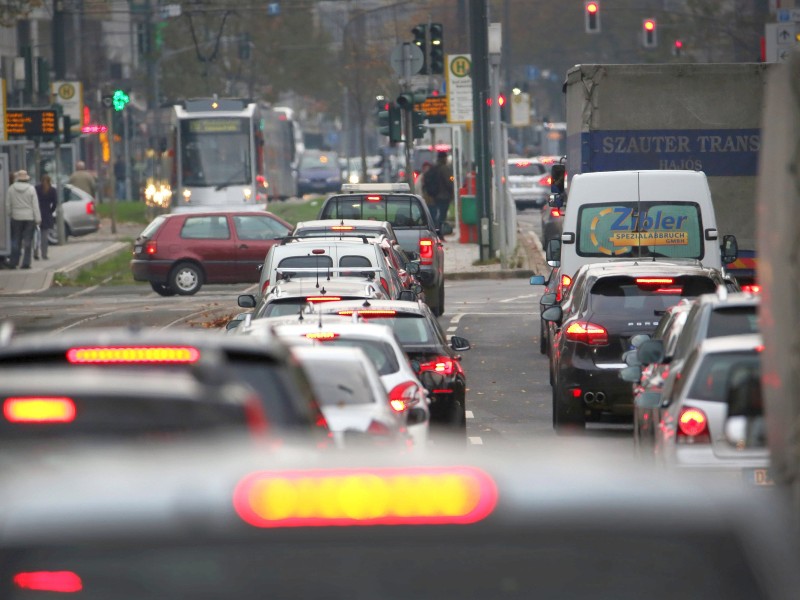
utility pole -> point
(59, 52)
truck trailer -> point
(702, 117)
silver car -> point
(80, 214)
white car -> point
(80, 214)
(351, 395)
(528, 182)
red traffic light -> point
(678, 44)
(591, 7)
(649, 24)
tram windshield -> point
(215, 151)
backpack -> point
(430, 184)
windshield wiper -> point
(227, 182)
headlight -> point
(353, 178)
(247, 193)
(187, 194)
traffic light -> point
(649, 33)
(67, 130)
(418, 124)
(120, 99)
(436, 66)
(677, 47)
(420, 40)
(389, 123)
(591, 13)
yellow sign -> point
(650, 238)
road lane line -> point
(469, 414)
(476, 441)
(517, 298)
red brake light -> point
(313, 299)
(90, 208)
(134, 354)
(654, 280)
(426, 251)
(318, 251)
(265, 287)
(693, 426)
(150, 248)
(587, 333)
(374, 198)
(403, 395)
(566, 281)
(49, 581)
(443, 365)
(554, 212)
(752, 288)
(369, 313)
(546, 180)
(321, 335)
(385, 284)
(255, 417)
(523, 163)
(35, 409)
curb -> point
(72, 270)
(502, 274)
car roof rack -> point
(361, 188)
(365, 239)
(286, 273)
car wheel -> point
(162, 289)
(186, 279)
(566, 422)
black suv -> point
(411, 221)
(607, 305)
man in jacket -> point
(83, 179)
(438, 184)
(48, 202)
(23, 208)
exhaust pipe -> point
(588, 397)
(600, 397)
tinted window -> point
(339, 383)
(400, 211)
(732, 321)
(624, 229)
(711, 380)
(525, 167)
(314, 261)
(258, 227)
(645, 295)
(354, 261)
(206, 228)
(410, 329)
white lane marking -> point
(517, 298)
(452, 329)
(469, 414)
(476, 441)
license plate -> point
(759, 477)
(137, 250)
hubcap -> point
(186, 279)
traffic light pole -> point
(113, 207)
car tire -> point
(162, 289)
(186, 279)
(565, 423)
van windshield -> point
(633, 229)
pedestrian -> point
(23, 207)
(439, 186)
(119, 178)
(83, 179)
(419, 187)
(48, 202)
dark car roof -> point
(640, 267)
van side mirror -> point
(729, 249)
(553, 252)
(558, 172)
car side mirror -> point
(548, 299)
(407, 296)
(729, 249)
(412, 267)
(631, 374)
(537, 280)
(246, 301)
(651, 351)
(553, 314)
(631, 359)
(459, 344)
(553, 252)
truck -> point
(702, 117)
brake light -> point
(374, 198)
(546, 180)
(426, 251)
(523, 163)
(342, 228)
(566, 281)
(378, 428)
(321, 335)
(133, 354)
(556, 212)
(369, 313)
(654, 280)
(150, 248)
(90, 210)
(385, 285)
(35, 409)
(587, 333)
(443, 365)
(313, 299)
(403, 395)
(49, 581)
(255, 417)
(265, 287)
(752, 288)
(318, 251)
(692, 426)
(364, 496)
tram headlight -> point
(247, 193)
(187, 194)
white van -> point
(632, 214)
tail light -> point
(566, 281)
(255, 417)
(403, 396)
(33, 409)
(374, 198)
(546, 180)
(90, 208)
(265, 287)
(370, 313)
(378, 428)
(133, 354)
(150, 248)
(314, 299)
(556, 212)
(426, 251)
(442, 364)
(693, 426)
(49, 581)
(587, 333)
(342, 228)
(752, 288)
(654, 280)
(321, 335)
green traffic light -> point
(120, 99)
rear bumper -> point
(601, 390)
(150, 270)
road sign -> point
(520, 110)
(780, 40)
(459, 88)
(69, 94)
(406, 59)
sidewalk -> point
(82, 252)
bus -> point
(219, 158)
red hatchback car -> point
(178, 253)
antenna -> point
(366, 304)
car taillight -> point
(265, 287)
(49, 581)
(566, 281)
(654, 280)
(692, 426)
(35, 409)
(443, 365)
(403, 395)
(752, 288)
(321, 335)
(255, 417)
(587, 333)
(556, 212)
(426, 251)
(133, 354)
(378, 428)
(546, 180)
(90, 208)
(150, 248)
(342, 228)
(313, 299)
(374, 198)
(385, 285)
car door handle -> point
(243, 246)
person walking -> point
(419, 188)
(23, 208)
(48, 201)
(83, 179)
(119, 178)
(438, 185)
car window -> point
(380, 353)
(354, 261)
(410, 329)
(154, 226)
(258, 227)
(399, 211)
(69, 194)
(711, 380)
(732, 321)
(525, 167)
(647, 296)
(339, 383)
(319, 161)
(206, 228)
(314, 261)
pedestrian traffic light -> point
(677, 47)
(420, 33)
(418, 124)
(436, 65)
(649, 33)
(390, 123)
(120, 99)
(591, 13)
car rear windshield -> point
(153, 227)
(711, 380)
(312, 261)
(525, 167)
(410, 329)
(732, 321)
(645, 296)
(380, 353)
(339, 383)
(399, 210)
(626, 229)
